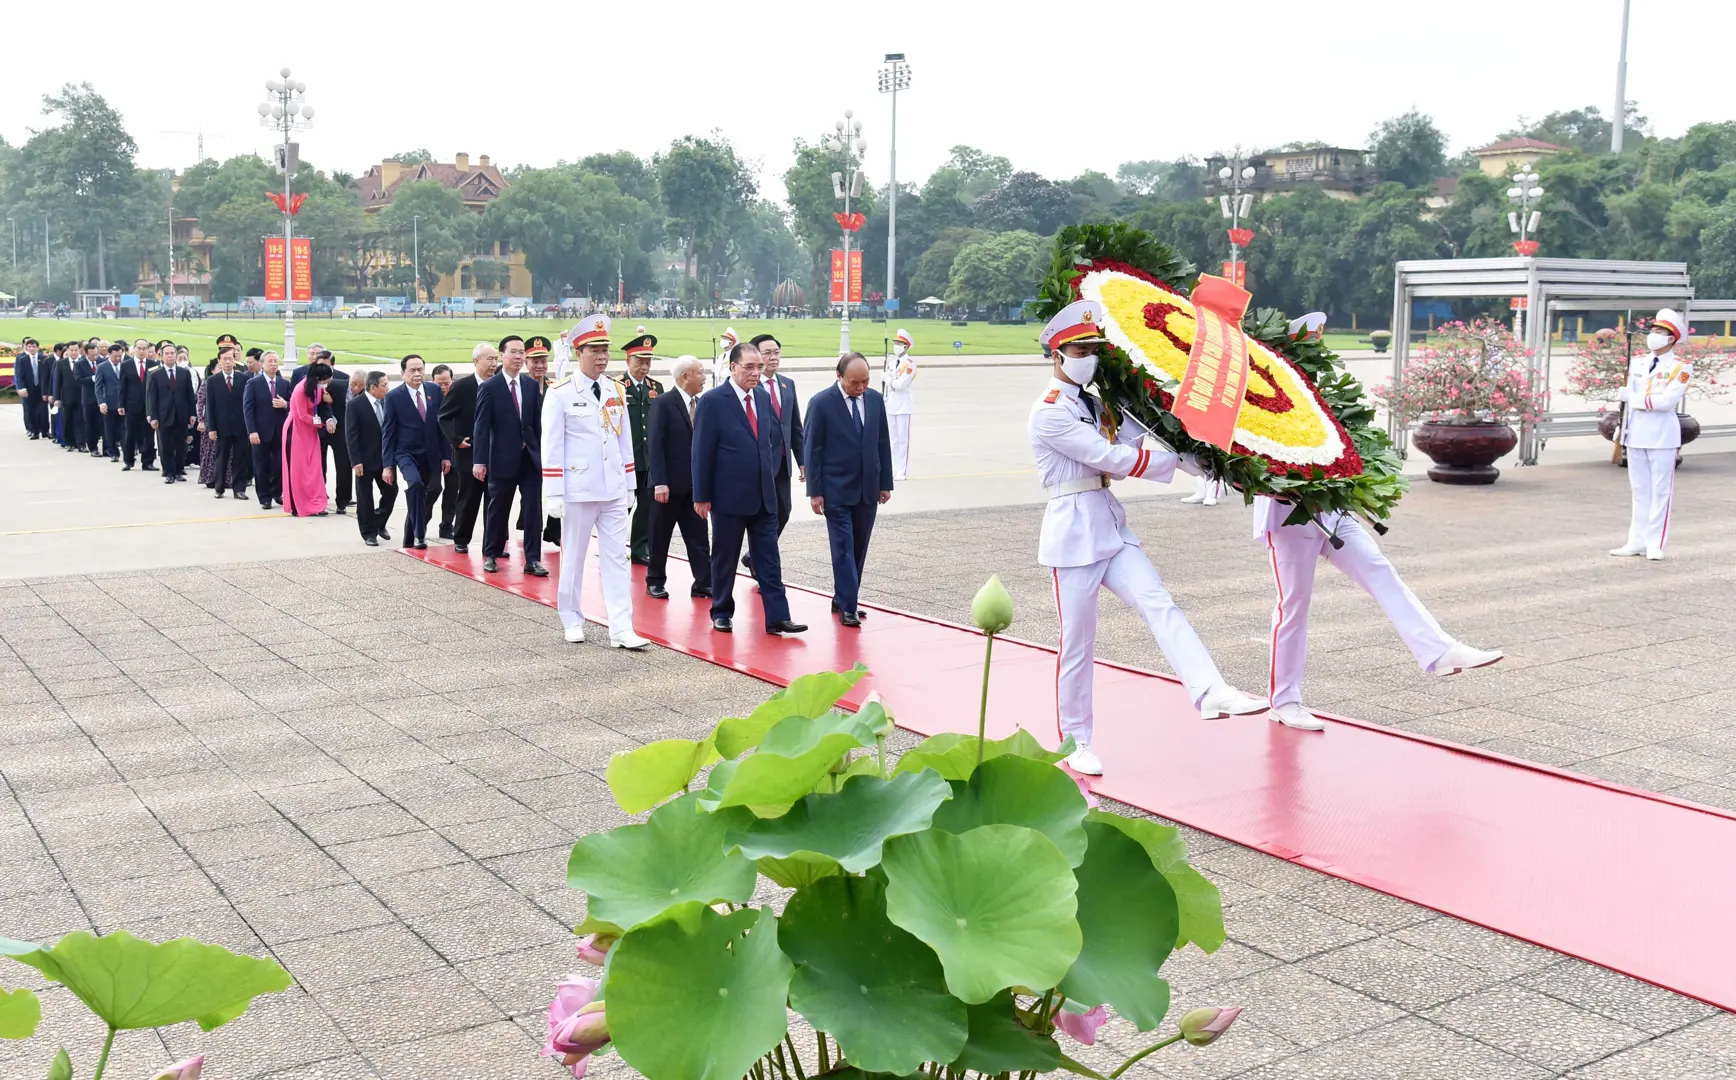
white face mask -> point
(1079, 368)
(1659, 342)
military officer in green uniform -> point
(641, 389)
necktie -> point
(379, 413)
(752, 420)
(777, 406)
(517, 406)
(228, 383)
(597, 390)
(856, 413)
(690, 404)
(421, 409)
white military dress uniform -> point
(1087, 544)
(899, 374)
(719, 373)
(1652, 435)
(587, 452)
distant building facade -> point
(478, 184)
(1499, 159)
(1340, 172)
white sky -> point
(532, 82)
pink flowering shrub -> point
(1467, 373)
(1599, 366)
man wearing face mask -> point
(1652, 434)
(1080, 445)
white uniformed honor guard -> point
(1087, 544)
(719, 373)
(1652, 433)
(900, 372)
(587, 452)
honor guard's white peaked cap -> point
(590, 330)
(729, 340)
(1308, 326)
(902, 339)
(1078, 323)
(1671, 320)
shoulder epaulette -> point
(1051, 397)
(558, 383)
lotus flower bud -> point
(594, 948)
(183, 1070)
(1082, 1027)
(1201, 1027)
(1084, 783)
(992, 609)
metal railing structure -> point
(1550, 287)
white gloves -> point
(554, 506)
(1190, 464)
(1626, 394)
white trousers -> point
(899, 427)
(1207, 488)
(1652, 475)
(1296, 550)
(1131, 577)
(610, 520)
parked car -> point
(513, 311)
(364, 311)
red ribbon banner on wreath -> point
(1216, 380)
(1241, 237)
(851, 222)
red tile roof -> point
(478, 184)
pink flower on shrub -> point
(577, 1027)
(1082, 1027)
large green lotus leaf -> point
(1201, 908)
(996, 903)
(1010, 790)
(790, 762)
(642, 778)
(849, 826)
(132, 983)
(633, 873)
(807, 696)
(880, 992)
(1127, 913)
(20, 1012)
(998, 1043)
(954, 756)
(699, 1001)
(802, 868)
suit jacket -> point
(170, 404)
(257, 413)
(640, 400)
(225, 409)
(108, 385)
(732, 470)
(458, 416)
(847, 467)
(363, 434)
(500, 430)
(408, 436)
(85, 372)
(134, 372)
(66, 382)
(670, 443)
(25, 372)
(791, 420)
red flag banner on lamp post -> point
(301, 270)
(1241, 237)
(1216, 380)
(1237, 273)
(856, 276)
(276, 269)
(837, 276)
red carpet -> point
(1630, 880)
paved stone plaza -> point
(373, 771)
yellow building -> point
(1499, 159)
(192, 269)
(478, 185)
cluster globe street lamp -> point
(846, 140)
(1523, 221)
(1236, 205)
(284, 111)
(893, 78)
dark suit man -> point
(413, 445)
(137, 441)
(68, 412)
(29, 379)
(364, 429)
(169, 405)
(264, 406)
(226, 424)
(90, 418)
(506, 455)
(789, 414)
(458, 420)
(107, 384)
(441, 376)
(737, 444)
(642, 390)
(670, 448)
(849, 457)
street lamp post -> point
(13, 222)
(847, 140)
(169, 269)
(285, 112)
(1524, 194)
(893, 78)
(1237, 204)
(416, 256)
(47, 259)
(1618, 120)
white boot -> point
(1083, 761)
(1196, 497)
(1654, 554)
(1628, 549)
(576, 633)
(1461, 657)
(1224, 700)
(629, 640)
(1293, 715)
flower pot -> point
(1465, 453)
(1380, 339)
(1609, 422)
(1690, 428)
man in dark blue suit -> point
(29, 378)
(849, 458)
(786, 408)
(89, 416)
(108, 399)
(226, 422)
(136, 442)
(413, 445)
(737, 444)
(506, 455)
(169, 406)
(264, 405)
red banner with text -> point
(1237, 273)
(301, 270)
(276, 269)
(1211, 391)
(854, 276)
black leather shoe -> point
(699, 594)
(242, 494)
(850, 618)
(722, 626)
(460, 549)
(656, 592)
(785, 626)
(370, 541)
(860, 614)
(147, 468)
(126, 468)
(537, 569)
(384, 535)
(445, 534)
(490, 565)
(747, 561)
(641, 562)
(344, 511)
(219, 494)
(421, 545)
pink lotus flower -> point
(1084, 782)
(1082, 1027)
(183, 1070)
(1201, 1027)
(594, 948)
(576, 1025)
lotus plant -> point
(577, 1026)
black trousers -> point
(639, 530)
(528, 484)
(36, 413)
(470, 492)
(761, 532)
(268, 471)
(93, 426)
(370, 518)
(172, 448)
(232, 463)
(781, 483)
(114, 425)
(340, 457)
(448, 505)
(665, 517)
(139, 439)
